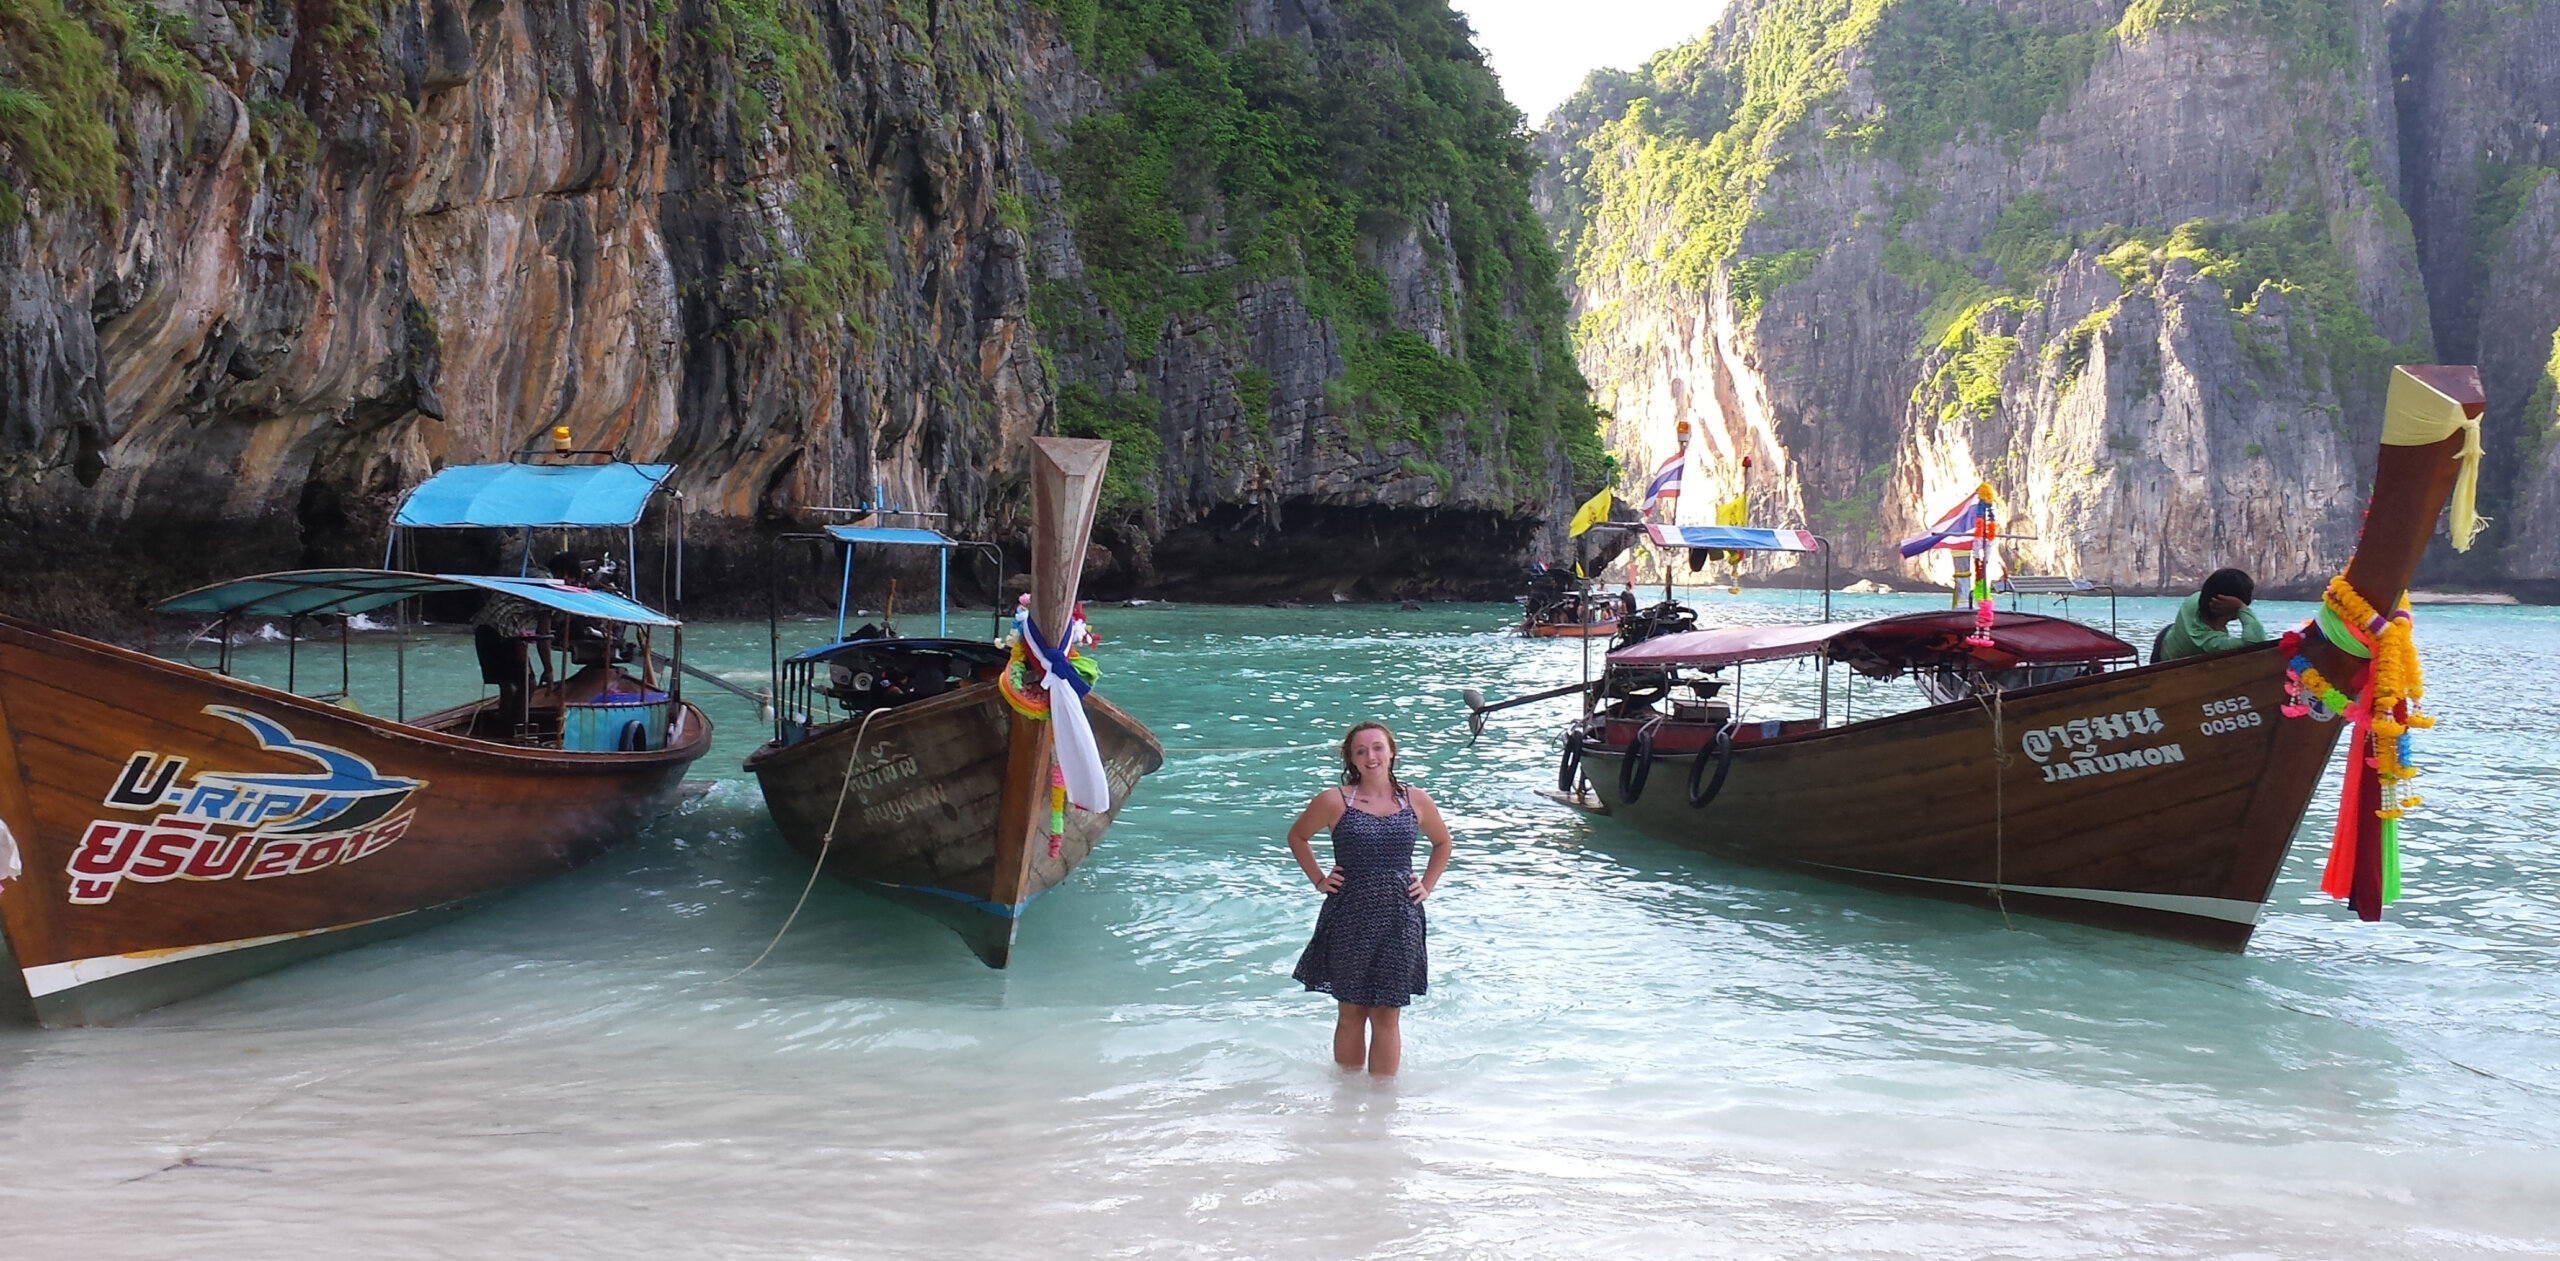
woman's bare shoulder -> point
(1417, 794)
(1328, 802)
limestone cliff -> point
(2141, 266)
(1286, 261)
(266, 263)
(2480, 120)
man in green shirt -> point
(2204, 619)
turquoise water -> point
(1628, 1049)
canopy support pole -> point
(292, 648)
(1824, 545)
(346, 684)
(942, 626)
(400, 658)
(844, 592)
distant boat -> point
(2060, 779)
(181, 828)
(901, 766)
(1558, 605)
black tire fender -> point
(1636, 767)
(1722, 754)
(634, 738)
(1571, 767)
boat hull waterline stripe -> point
(974, 903)
(53, 978)
(2229, 910)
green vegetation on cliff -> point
(1228, 163)
(1703, 127)
(787, 92)
(68, 69)
(1682, 172)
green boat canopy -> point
(345, 592)
(499, 496)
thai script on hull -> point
(2080, 737)
(253, 825)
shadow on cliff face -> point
(1235, 553)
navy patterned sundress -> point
(1368, 949)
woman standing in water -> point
(1368, 950)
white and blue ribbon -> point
(1079, 755)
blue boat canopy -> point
(513, 495)
(901, 535)
(1733, 538)
(344, 592)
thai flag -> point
(1953, 531)
(1665, 485)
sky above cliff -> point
(1542, 49)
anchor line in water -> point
(762, 701)
(826, 843)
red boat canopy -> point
(1730, 645)
(1887, 645)
(1891, 645)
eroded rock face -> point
(755, 240)
(1286, 468)
(2480, 114)
(788, 247)
(2154, 316)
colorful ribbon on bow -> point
(1065, 677)
(1986, 532)
(2364, 848)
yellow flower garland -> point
(2398, 685)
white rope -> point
(824, 845)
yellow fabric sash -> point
(2415, 414)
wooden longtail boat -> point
(1605, 628)
(181, 829)
(2160, 799)
(1559, 605)
(900, 766)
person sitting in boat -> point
(2204, 619)
(510, 636)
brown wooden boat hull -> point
(169, 849)
(919, 821)
(2161, 799)
(1571, 630)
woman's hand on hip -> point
(1415, 889)
(1329, 882)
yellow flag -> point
(1593, 511)
(1734, 511)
